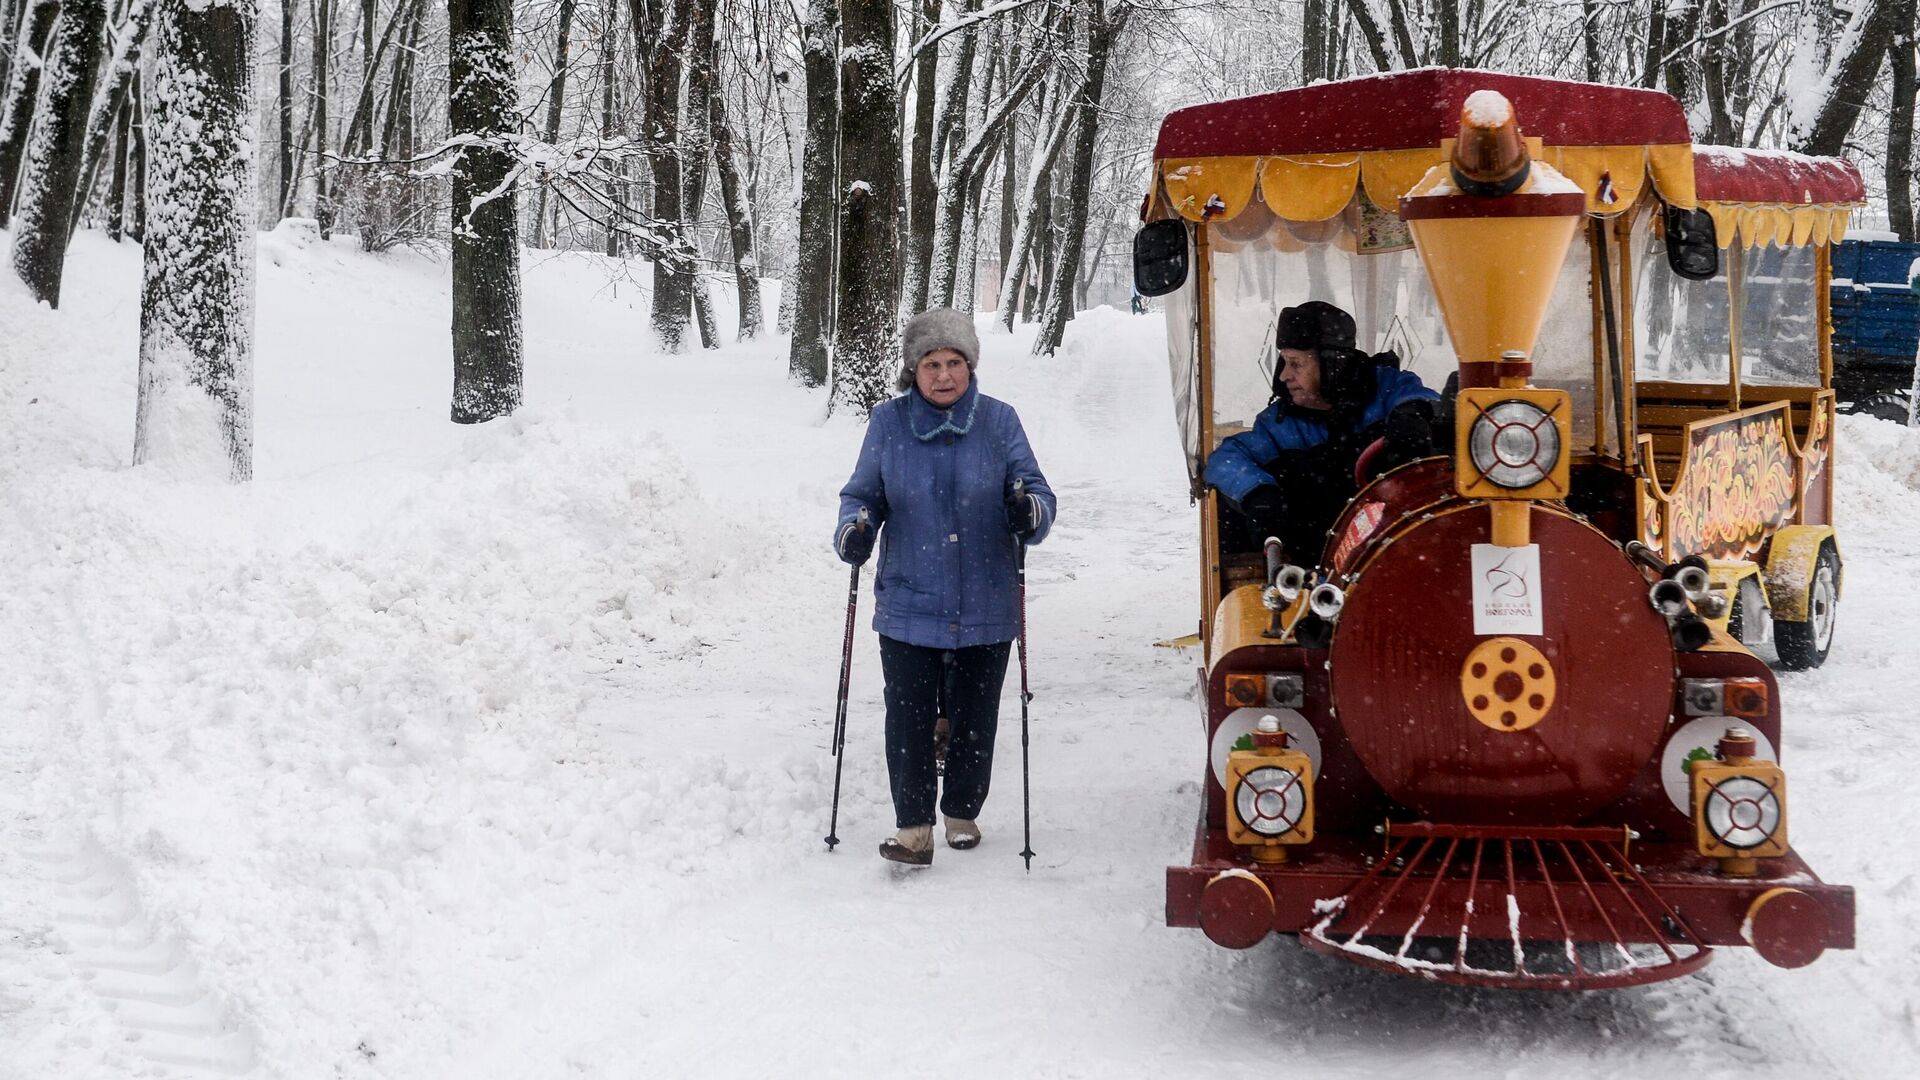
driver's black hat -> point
(1314, 325)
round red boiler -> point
(1402, 649)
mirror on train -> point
(1692, 251)
(1160, 257)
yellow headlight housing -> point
(1269, 795)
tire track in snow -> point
(144, 976)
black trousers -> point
(919, 681)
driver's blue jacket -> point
(1239, 464)
(938, 481)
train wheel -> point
(1804, 645)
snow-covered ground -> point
(501, 751)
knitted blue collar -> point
(927, 420)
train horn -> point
(1690, 631)
(1668, 597)
(1326, 600)
(1291, 581)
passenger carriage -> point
(1510, 727)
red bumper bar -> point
(1560, 908)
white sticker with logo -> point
(1506, 590)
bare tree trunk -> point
(966, 286)
(50, 178)
(608, 58)
(865, 339)
(111, 98)
(812, 282)
(1900, 58)
(920, 190)
(1824, 118)
(486, 235)
(1102, 29)
(395, 129)
(286, 109)
(23, 96)
(746, 266)
(1050, 136)
(1683, 26)
(1313, 42)
(1656, 44)
(1009, 190)
(960, 179)
(1447, 20)
(117, 188)
(696, 146)
(665, 39)
(196, 309)
(137, 153)
(359, 136)
(322, 46)
(556, 95)
(9, 36)
(1590, 37)
(1376, 42)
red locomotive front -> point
(1502, 729)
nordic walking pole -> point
(1026, 794)
(839, 744)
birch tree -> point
(195, 399)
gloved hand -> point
(1023, 514)
(1410, 431)
(854, 542)
(1266, 512)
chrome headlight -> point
(1514, 444)
(1271, 801)
(1742, 812)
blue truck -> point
(1876, 325)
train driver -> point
(1292, 473)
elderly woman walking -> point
(951, 490)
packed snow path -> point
(501, 752)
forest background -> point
(875, 157)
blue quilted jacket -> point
(936, 482)
(1238, 465)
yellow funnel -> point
(1493, 258)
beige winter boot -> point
(912, 845)
(962, 834)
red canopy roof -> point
(1731, 174)
(1403, 110)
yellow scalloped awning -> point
(1309, 187)
(1768, 224)
(1315, 187)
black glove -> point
(1023, 514)
(1266, 512)
(854, 542)
(1410, 430)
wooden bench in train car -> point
(1663, 410)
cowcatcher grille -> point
(1555, 908)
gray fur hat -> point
(932, 329)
